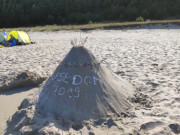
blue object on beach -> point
(5, 34)
(12, 42)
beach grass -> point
(93, 26)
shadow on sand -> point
(15, 90)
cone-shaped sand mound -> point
(80, 91)
(81, 88)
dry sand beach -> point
(148, 58)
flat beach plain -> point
(148, 58)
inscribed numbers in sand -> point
(72, 93)
(75, 80)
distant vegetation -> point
(140, 19)
(95, 26)
(15, 13)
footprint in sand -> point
(150, 125)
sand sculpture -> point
(81, 88)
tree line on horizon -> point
(16, 13)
